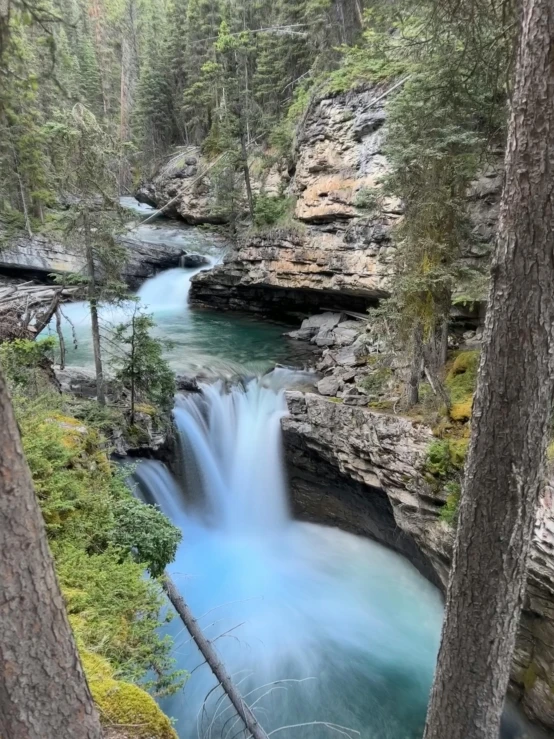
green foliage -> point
(368, 199)
(101, 538)
(25, 364)
(449, 511)
(148, 532)
(438, 461)
(375, 382)
(139, 363)
(113, 609)
(270, 209)
(447, 110)
(444, 466)
(461, 381)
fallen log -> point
(207, 650)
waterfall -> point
(313, 623)
(168, 291)
(230, 442)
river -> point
(325, 632)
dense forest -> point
(100, 97)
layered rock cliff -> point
(38, 256)
(336, 248)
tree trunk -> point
(511, 413)
(416, 366)
(133, 368)
(43, 691)
(60, 337)
(93, 302)
(246, 170)
(216, 665)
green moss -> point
(97, 531)
(443, 469)
(449, 511)
(446, 456)
(462, 411)
(124, 704)
(461, 380)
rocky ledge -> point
(39, 256)
(362, 470)
(336, 248)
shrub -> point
(26, 364)
(144, 529)
(449, 511)
(94, 525)
(269, 209)
(114, 609)
(368, 199)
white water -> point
(353, 621)
(202, 341)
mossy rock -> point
(124, 704)
(461, 380)
(462, 411)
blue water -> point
(314, 623)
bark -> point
(128, 82)
(60, 337)
(246, 170)
(43, 691)
(416, 366)
(95, 325)
(511, 413)
(216, 665)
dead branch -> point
(216, 665)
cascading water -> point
(316, 625)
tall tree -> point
(43, 691)
(511, 413)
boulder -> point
(194, 260)
(329, 385)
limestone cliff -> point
(39, 256)
(337, 248)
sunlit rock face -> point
(337, 241)
(365, 454)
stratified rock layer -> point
(337, 249)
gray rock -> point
(344, 336)
(193, 260)
(327, 362)
(301, 334)
(323, 321)
(351, 356)
(329, 385)
(325, 337)
(187, 383)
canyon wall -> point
(343, 459)
(335, 248)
